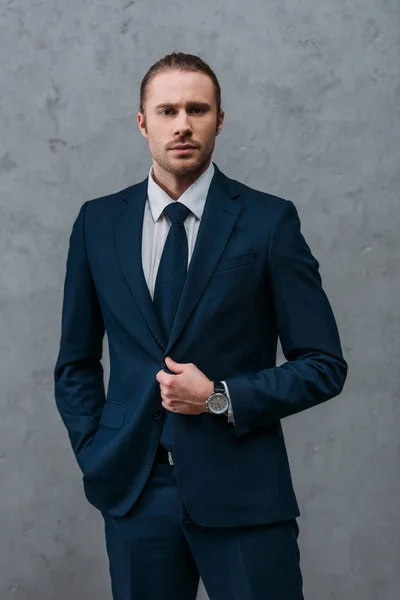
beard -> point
(182, 166)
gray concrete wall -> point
(311, 93)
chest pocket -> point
(234, 262)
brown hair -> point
(182, 62)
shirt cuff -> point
(230, 411)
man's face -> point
(180, 109)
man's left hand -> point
(185, 392)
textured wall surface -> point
(311, 92)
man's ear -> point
(220, 122)
(141, 122)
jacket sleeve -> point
(315, 370)
(78, 374)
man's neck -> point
(176, 186)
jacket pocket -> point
(233, 262)
(113, 414)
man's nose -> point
(182, 124)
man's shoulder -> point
(113, 197)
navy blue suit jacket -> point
(251, 278)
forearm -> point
(78, 373)
(79, 396)
(273, 394)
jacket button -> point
(157, 414)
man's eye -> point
(199, 108)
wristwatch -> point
(218, 402)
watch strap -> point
(219, 387)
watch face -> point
(218, 403)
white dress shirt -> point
(156, 226)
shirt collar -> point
(193, 198)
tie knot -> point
(176, 212)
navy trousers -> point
(156, 552)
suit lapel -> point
(218, 220)
(128, 239)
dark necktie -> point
(169, 284)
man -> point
(193, 275)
